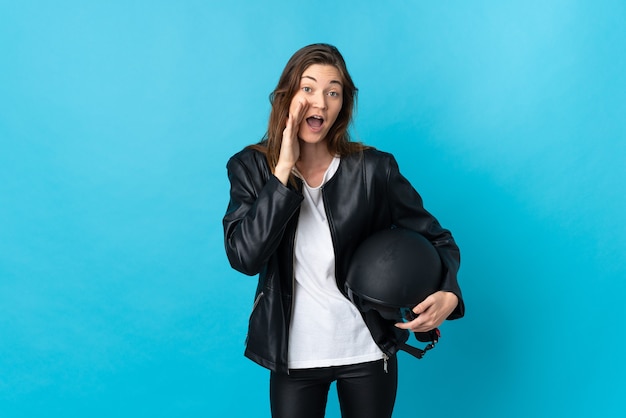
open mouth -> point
(315, 121)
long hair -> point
(338, 137)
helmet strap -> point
(418, 352)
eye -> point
(307, 89)
(333, 94)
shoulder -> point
(371, 157)
(248, 157)
(248, 163)
(377, 155)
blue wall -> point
(116, 121)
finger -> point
(423, 306)
(417, 328)
(295, 104)
(411, 325)
(300, 110)
(288, 126)
(406, 325)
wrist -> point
(452, 298)
(282, 172)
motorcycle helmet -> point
(392, 271)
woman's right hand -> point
(290, 147)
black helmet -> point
(392, 271)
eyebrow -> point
(331, 81)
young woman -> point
(301, 201)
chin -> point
(312, 138)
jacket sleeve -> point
(258, 211)
(407, 211)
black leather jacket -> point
(366, 194)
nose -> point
(319, 100)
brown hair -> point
(338, 138)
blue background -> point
(116, 122)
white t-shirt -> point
(326, 328)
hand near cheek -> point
(290, 147)
(290, 144)
(432, 312)
(297, 109)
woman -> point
(300, 203)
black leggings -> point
(364, 390)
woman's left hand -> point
(432, 312)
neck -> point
(313, 162)
(313, 156)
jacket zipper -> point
(293, 289)
(331, 226)
(293, 280)
(254, 305)
(256, 300)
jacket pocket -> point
(254, 305)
